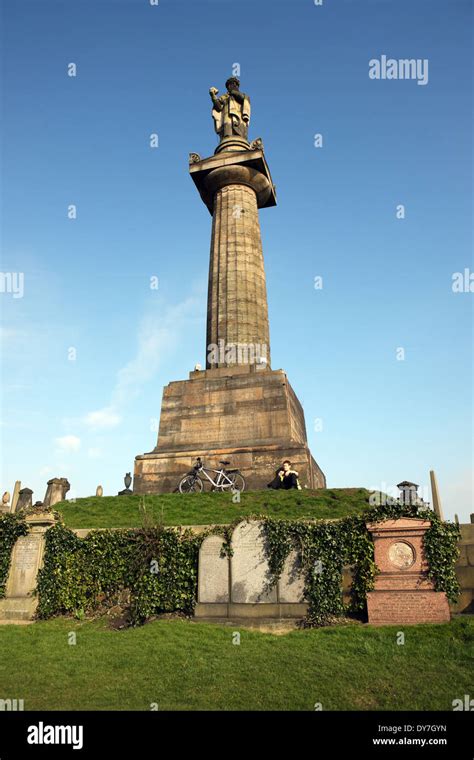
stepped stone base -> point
(248, 415)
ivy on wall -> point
(326, 547)
(12, 526)
(159, 565)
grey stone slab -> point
(213, 572)
(249, 566)
(291, 581)
(25, 562)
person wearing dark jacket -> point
(285, 477)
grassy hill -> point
(212, 508)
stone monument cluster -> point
(22, 499)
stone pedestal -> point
(403, 592)
(246, 415)
(19, 603)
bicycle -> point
(225, 479)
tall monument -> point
(238, 408)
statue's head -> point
(232, 84)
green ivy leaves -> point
(326, 547)
(159, 565)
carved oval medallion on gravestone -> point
(249, 566)
(401, 555)
(213, 572)
(291, 582)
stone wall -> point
(464, 567)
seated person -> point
(285, 477)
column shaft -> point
(237, 313)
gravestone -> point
(213, 578)
(252, 594)
(27, 557)
(56, 491)
(25, 499)
(16, 494)
(403, 591)
(249, 566)
(291, 582)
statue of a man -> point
(231, 111)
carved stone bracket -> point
(256, 144)
(194, 158)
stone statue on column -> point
(238, 408)
(231, 111)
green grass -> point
(184, 665)
(212, 508)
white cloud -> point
(11, 334)
(94, 453)
(68, 443)
(158, 335)
(102, 418)
(46, 470)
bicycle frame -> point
(220, 480)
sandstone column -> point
(237, 312)
(234, 185)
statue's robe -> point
(234, 117)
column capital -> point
(248, 167)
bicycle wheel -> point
(237, 481)
(190, 484)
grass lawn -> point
(212, 508)
(184, 665)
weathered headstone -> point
(27, 557)
(25, 499)
(291, 582)
(56, 491)
(403, 591)
(16, 494)
(99, 491)
(213, 583)
(435, 495)
(252, 591)
(249, 566)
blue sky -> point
(387, 282)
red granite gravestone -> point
(403, 591)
